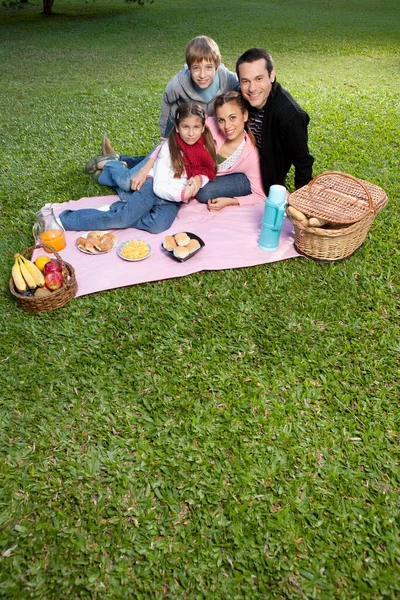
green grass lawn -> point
(228, 435)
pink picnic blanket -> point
(230, 237)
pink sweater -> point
(247, 163)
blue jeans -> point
(141, 209)
(115, 175)
(132, 161)
(226, 186)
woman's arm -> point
(220, 203)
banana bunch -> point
(26, 275)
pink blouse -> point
(248, 163)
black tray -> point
(192, 236)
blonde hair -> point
(236, 98)
(188, 109)
(202, 48)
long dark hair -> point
(238, 99)
(188, 109)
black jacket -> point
(284, 140)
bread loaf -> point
(169, 242)
(314, 222)
(182, 239)
(181, 252)
(192, 245)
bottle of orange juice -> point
(48, 231)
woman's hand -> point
(192, 187)
(138, 180)
(220, 203)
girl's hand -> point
(220, 203)
(138, 180)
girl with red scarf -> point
(188, 161)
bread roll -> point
(192, 245)
(109, 236)
(169, 242)
(297, 215)
(181, 252)
(313, 222)
(93, 235)
(182, 239)
(89, 247)
(81, 243)
(104, 244)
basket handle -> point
(367, 193)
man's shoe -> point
(97, 162)
(106, 147)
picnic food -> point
(28, 278)
(314, 222)
(296, 214)
(52, 265)
(304, 219)
(135, 250)
(192, 245)
(169, 242)
(181, 252)
(41, 261)
(96, 241)
(54, 280)
(182, 239)
(181, 245)
(42, 292)
(25, 274)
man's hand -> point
(220, 203)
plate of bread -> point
(96, 242)
(182, 245)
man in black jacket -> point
(278, 123)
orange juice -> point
(54, 238)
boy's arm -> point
(165, 111)
(233, 82)
(169, 98)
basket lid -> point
(338, 198)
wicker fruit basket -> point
(348, 204)
(56, 299)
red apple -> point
(54, 280)
(52, 265)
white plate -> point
(131, 259)
(96, 251)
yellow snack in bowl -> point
(135, 249)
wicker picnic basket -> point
(348, 204)
(56, 299)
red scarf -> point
(196, 159)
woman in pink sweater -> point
(236, 153)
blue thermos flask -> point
(274, 212)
